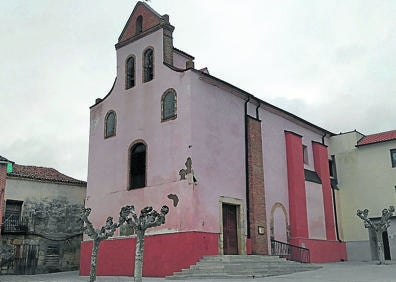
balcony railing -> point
(290, 252)
(14, 224)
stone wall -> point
(52, 242)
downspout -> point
(323, 138)
(247, 169)
(257, 111)
(334, 202)
(335, 216)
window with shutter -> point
(148, 65)
(110, 124)
(130, 73)
(139, 25)
(393, 157)
(168, 105)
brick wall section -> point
(149, 20)
(257, 209)
(3, 175)
(168, 43)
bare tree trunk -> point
(94, 256)
(139, 256)
(380, 251)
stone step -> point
(204, 263)
(240, 266)
(247, 269)
(242, 258)
(244, 269)
(178, 276)
(243, 265)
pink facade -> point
(209, 126)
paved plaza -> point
(342, 271)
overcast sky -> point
(331, 62)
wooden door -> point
(230, 232)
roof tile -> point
(378, 137)
(43, 174)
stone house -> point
(238, 173)
(40, 228)
(364, 167)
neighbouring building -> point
(40, 228)
(365, 169)
(236, 171)
(4, 168)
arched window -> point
(137, 166)
(130, 73)
(168, 105)
(139, 24)
(110, 124)
(148, 65)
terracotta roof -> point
(377, 138)
(43, 174)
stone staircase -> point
(240, 266)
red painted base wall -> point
(163, 254)
(323, 251)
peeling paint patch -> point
(174, 198)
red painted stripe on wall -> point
(163, 254)
(322, 168)
(296, 186)
(322, 251)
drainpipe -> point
(334, 200)
(335, 216)
(323, 137)
(257, 111)
(247, 169)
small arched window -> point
(130, 73)
(110, 124)
(137, 166)
(148, 65)
(139, 24)
(168, 105)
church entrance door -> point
(230, 232)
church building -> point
(236, 172)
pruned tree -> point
(97, 235)
(148, 218)
(378, 227)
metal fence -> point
(290, 252)
(14, 224)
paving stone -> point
(330, 272)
